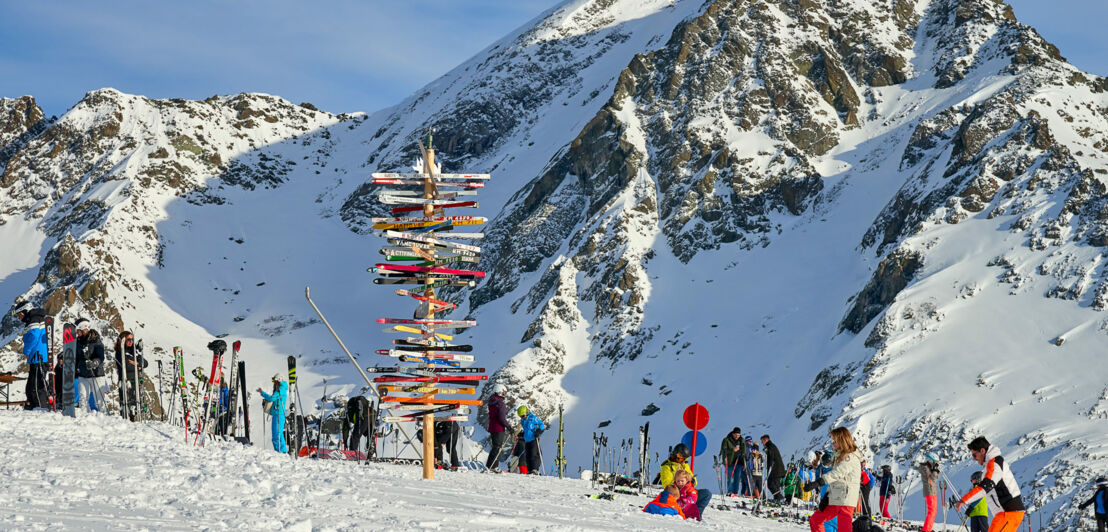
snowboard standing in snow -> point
(53, 392)
(69, 369)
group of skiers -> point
(745, 464)
(526, 451)
(838, 475)
(44, 382)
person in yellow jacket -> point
(978, 512)
(678, 461)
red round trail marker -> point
(696, 416)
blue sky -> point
(341, 55)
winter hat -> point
(1101, 482)
(499, 389)
(736, 430)
(522, 411)
(886, 467)
(82, 324)
(749, 439)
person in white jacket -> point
(843, 489)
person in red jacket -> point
(999, 485)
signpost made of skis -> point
(422, 251)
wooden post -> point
(429, 419)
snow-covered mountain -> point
(799, 213)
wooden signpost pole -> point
(429, 211)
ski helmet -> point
(277, 377)
(975, 477)
(1101, 482)
(21, 308)
(931, 458)
(82, 324)
(522, 411)
(681, 450)
(828, 458)
(886, 467)
(499, 389)
(217, 346)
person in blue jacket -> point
(1100, 498)
(821, 466)
(34, 348)
(278, 400)
(224, 409)
(531, 460)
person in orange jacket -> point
(665, 503)
(999, 486)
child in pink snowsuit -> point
(687, 499)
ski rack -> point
(422, 251)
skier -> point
(90, 367)
(822, 462)
(747, 479)
(447, 434)
(841, 482)
(278, 399)
(1100, 499)
(998, 484)
(531, 460)
(733, 452)
(677, 462)
(886, 490)
(498, 422)
(125, 357)
(34, 348)
(867, 483)
(791, 485)
(356, 424)
(775, 467)
(978, 513)
(929, 475)
(756, 463)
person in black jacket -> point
(90, 367)
(34, 348)
(775, 466)
(357, 423)
(125, 356)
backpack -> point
(864, 524)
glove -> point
(954, 502)
(93, 365)
(812, 486)
(1082, 506)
